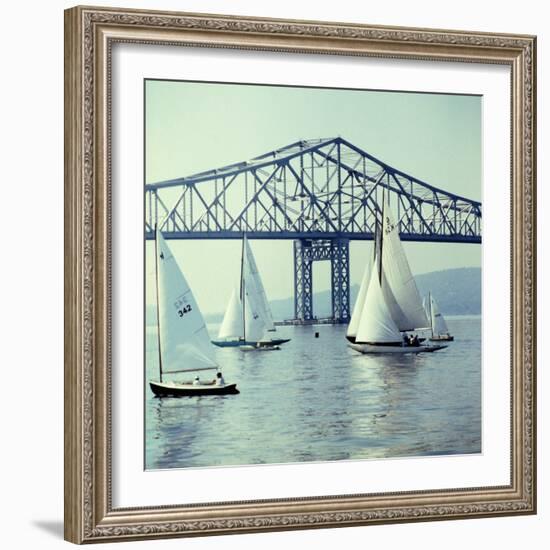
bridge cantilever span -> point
(312, 190)
(326, 187)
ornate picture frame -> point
(90, 34)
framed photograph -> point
(300, 274)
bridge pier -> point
(307, 251)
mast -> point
(243, 290)
(431, 313)
(375, 245)
(381, 234)
(158, 299)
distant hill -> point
(457, 291)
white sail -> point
(232, 324)
(359, 303)
(439, 326)
(398, 283)
(254, 325)
(377, 325)
(251, 271)
(184, 339)
(426, 306)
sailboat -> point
(248, 319)
(438, 326)
(391, 305)
(183, 340)
(353, 326)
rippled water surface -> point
(318, 400)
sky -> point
(191, 127)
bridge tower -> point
(307, 251)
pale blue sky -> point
(192, 127)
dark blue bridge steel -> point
(321, 193)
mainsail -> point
(183, 337)
(232, 324)
(376, 324)
(398, 283)
(250, 270)
(254, 326)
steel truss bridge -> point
(320, 193)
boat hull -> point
(260, 348)
(374, 349)
(442, 338)
(352, 339)
(172, 389)
(240, 343)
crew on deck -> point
(219, 379)
(411, 340)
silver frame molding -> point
(89, 35)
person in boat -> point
(197, 381)
(219, 381)
(411, 340)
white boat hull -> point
(263, 347)
(370, 348)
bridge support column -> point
(307, 251)
(340, 280)
(303, 291)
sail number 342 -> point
(184, 310)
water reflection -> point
(316, 399)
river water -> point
(318, 400)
